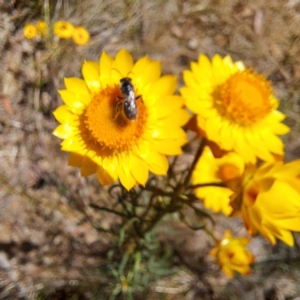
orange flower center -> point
(228, 172)
(246, 97)
(104, 126)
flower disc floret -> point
(235, 108)
(99, 136)
(247, 97)
(108, 126)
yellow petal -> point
(212, 128)
(105, 66)
(126, 179)
(205, 64)
(190, 81)
(273, 200)
(177, 119)
(216, 199)
(227, 270)
(292, 224)
(267, 233)
(241, 145)
(90, 72)
(203, 74)
(162, 133)
(73, 145)
(75, 160)
(275, 116)
(279, 128)
(124, 62)
(88, 167)
(157, 163)
(64, 131)
(254, 140)
(111, 165)
(221, 70)
(77, 86)
(226, 135)
(168, 147)
(272, 142)
(169, 105)
(291, 169)
(194, 101)
(63, 115)
(139, 170)
(71, 100)
(103, 177)
(284, 235)
(164, 86)
(145, 71)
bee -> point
(130, 107)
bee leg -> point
(139, 97)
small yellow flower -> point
(232, 256)
(30, 31)
(217, 170)
(271, 201)
(97, 132)
(41, 27)
(80, 36)
(235, 107)
(63, 29)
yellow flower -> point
(235, 107)
(232, 255)
(30, 31)
(217, 170)
(271, 201)
(80, 36)
(41, 27)
(63, 29)
(97, 132)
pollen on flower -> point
(228, 172)
(105, 124)
(246, 97)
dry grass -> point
(48, 248)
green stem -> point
(146, 212)
(158, 191)
(171, 171)
(210, 234)
(159, 215)
(196, 158)
(96, 206)
(200, 185)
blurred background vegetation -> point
(50, 243)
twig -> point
(96, 206)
